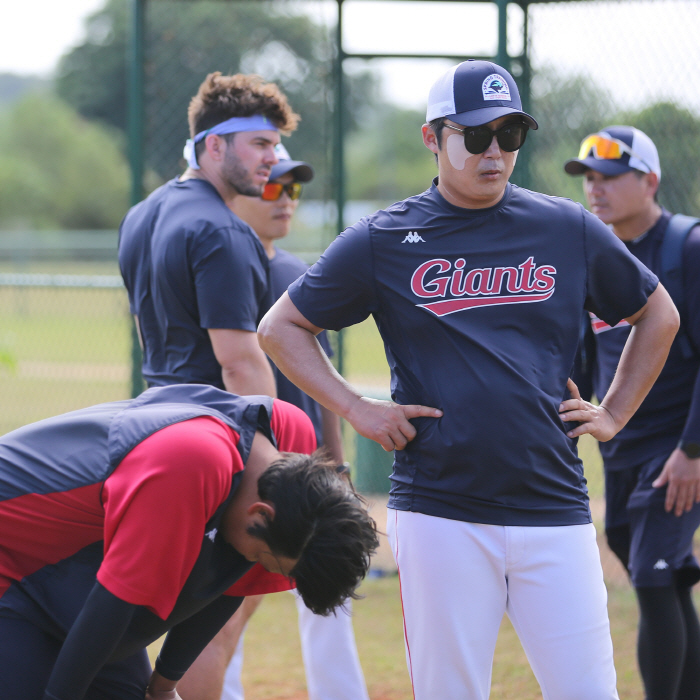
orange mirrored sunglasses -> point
(273, 191)
(604, 148)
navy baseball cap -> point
(473, 93)
(616, 150)
(301, 171)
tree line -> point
(62, 150)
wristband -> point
(343, 468)
(690, 448)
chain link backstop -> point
(590, 64)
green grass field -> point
(63, 349)
(273, 668)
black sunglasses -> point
(477, 139)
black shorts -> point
(656, 546)
(28, 654)
(35, 617)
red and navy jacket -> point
(131, 493)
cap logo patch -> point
(495, 87)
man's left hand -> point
(681, 475)
(596, 420)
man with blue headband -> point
(196, 274)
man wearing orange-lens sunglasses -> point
(330, 656)
(652, 466)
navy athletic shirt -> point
(285, 268)
(672, 407)
(190, 264)
(480, 313)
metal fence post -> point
(524, 162)
(502, 58)
(339, 150)
(135, 60)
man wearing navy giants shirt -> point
(477, 287)
(652, 466)
(124, 521)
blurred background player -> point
(332, 665)
(125, 521)
(652, 466)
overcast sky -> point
(639, 49)
(37, 32)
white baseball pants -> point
(458, 579)
(332, 666)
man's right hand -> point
(160, 688)
(162, 695)
(387, 422)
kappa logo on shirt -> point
(661, 565)
(211, 534)
(599, 326)
(413, 237)
(452, 288)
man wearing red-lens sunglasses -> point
(330, 656)
(652, 466)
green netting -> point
(64, 345)
(591, 64)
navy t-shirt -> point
(480, 313)
(190, 264)
(672, 407)
(285, 268)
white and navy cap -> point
(301, 171)
(638, 153)
(473, 93)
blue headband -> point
(255, 123)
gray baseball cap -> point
(301, 171)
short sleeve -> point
(325, 343)
(339, 290)
(618, 283)
(292, 428)
(157, 503)
(231, 279)
(691, 285)
(259, 581)
(691, 320)
(294, 432)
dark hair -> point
(640, 174)
(438, 126)
(221, 97)
(321, 521)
